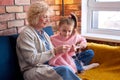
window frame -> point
(88, 6)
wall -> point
(13, 14)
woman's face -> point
(44, 21)
(66, 30)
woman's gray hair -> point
(37, 10)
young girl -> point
(75, 58)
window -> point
(101, 20)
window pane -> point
(107, 0)
(106, 20)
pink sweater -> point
(65, 58)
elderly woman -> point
(34, 48)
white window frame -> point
(98, 34)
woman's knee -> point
(65, 68)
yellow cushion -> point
(109, 59)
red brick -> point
(78, 13)
(57, 13)
(56, 7)
(26, 8)
(68, 1)
(71, 7)
(79, 7)
(77, 1)
(6, 2)
(67, 12)
(50, 1)
(3, 25)
(79, 24)
(14, 9)
(20, 15)
(9, 31)
(57, 22)
(15, 23)
(21, 28)
(32, 1)
(58, 1)
(56, 18)
(26, 22)
(22, 2)
(2, 9)
(1, 33)
(6, 17)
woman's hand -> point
(62, 49)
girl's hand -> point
(74, 48)
(78, 48)
(81, 45)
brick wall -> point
(13, 14)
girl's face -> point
(66, 30)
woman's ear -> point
(40, 19)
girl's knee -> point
(90, 52)
(65, 68)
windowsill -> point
(101, 37)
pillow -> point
(48, 30)
(8, 59)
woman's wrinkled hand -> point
(62, 49)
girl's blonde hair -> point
(71, 20)
(66, 20)
(37, 10)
